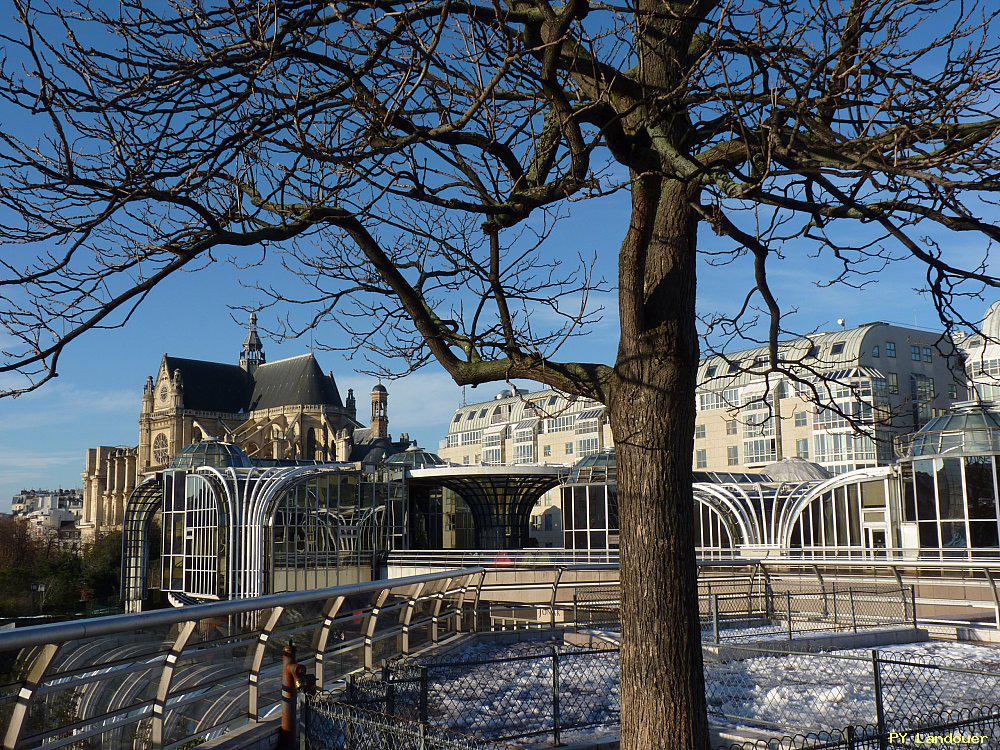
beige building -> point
(982, 357)
(889, 379)
(287, 410)
(544, 427)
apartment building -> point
(889, 379)
(982, 357)
(518, 427)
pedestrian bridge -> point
(174, 677)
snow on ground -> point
(793, 692)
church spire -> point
(253, 350)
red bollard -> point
(292, 675)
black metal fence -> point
(328, 724)
(535, 693)
(969, 728)
(512, 697)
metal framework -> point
(238, 532)
(163, 678)
(500, 498)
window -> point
(471, 415)
(759, 451)
(801, 418)
(559, 424)
(893, 380)
(699, 430)
(915, 353)
(710, 400)
(733, 455)
(875, 351)
(160, 451)
(890, 349)
(569, 449)
(701, 458)
(465, 460)
(710, 372)
(458, 418)
(837, 348)
(762, 361)
(731, 427)
(524, 453)
(813, 352)
(953, 391)
(482, 413)
(586, 446)
(547, 450)
(733, 367)
(802, 447)
(928, 354)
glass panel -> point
(873, 494)
(953, 536)
(580, 507)
(923, 480)
(929, 535)
(567, 503)
(949, 479)
(979, 486)
(598, 540)
(984, 534)
(909, 496)
(597, 519)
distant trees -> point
(38, 576)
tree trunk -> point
(651, 410)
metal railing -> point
(166, 677)
(770, 613)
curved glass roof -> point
(969, 428)
(415, 458)
(594, 468)
(210, 453)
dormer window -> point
(837, 348)
(710, 372)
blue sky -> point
(95, 400)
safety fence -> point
(331, 725)
(747, 610)
(548, 691)
(804, 612)
(968, 728)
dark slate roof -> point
(211, 386)
(289, 382)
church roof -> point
(293, 381)
(211, 386)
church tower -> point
(253, 350)
(380, 412)
(352, 405)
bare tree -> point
(408, 159)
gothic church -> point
(278, 412)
